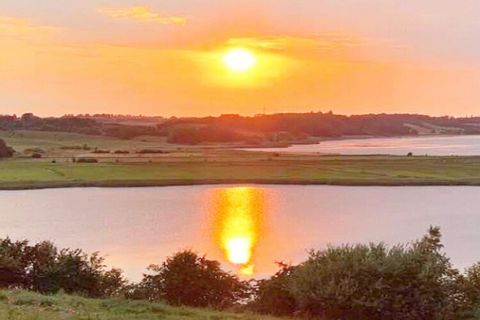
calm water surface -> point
(437, 145)
(136, 227)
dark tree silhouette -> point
(189, 279)
(5, 151)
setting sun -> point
(239, 60)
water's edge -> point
(172, 183)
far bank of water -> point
(431, 145)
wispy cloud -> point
(325, 44)
(321, 41)
(13, 26)
(142, 13)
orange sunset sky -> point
(166, 57)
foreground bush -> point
(273, 295)
(360, 282)
(374, 282)
(189, 279)
(44, 268)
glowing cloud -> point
(241, 67)
(15, 26)
(142, 13)
(294, 44)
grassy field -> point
(52, 142)
(241, 167)
(21, 305)
(181, 165)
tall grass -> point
(23, 305)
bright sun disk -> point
(239, 60)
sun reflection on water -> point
(238, 216)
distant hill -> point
(285, 128)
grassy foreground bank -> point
(22, 305)
(241, 167)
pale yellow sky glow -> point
(168, 57)
(141, 13)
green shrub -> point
(471, 287)
(192, 280)
(272, 295)
(375, 282)
(44, 268)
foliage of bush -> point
(44, 268)
(273, 295)
(374, 282)
(404, 282)
(189, 279)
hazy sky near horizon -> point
(164, 57)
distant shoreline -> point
(135, 184)
(323, 139)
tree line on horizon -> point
(373, 281)
(272, 128)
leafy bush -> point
(44, 268)
(375, 282)
(404, 282)
(471, 288)
(192, 280)
(273, 296)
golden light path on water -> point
(238, 224)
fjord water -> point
(431, 145)
(135, 227)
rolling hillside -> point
(22, 305)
